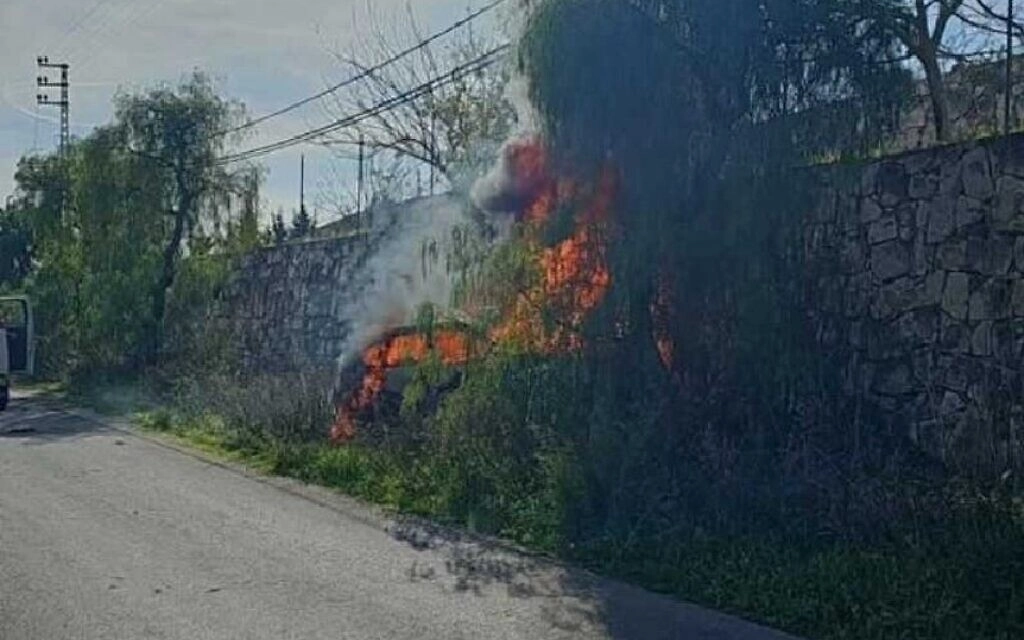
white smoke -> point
(406, 268)
(497, 191)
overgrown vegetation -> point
(734, 473)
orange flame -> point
(661, 318)
(452, 347)
(574, 279)
(574, 273)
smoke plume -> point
(406, 264)
(405, 268)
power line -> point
(369, 71)
(384, 106)
(78, 24)
(112, 21)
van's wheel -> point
(5, 396)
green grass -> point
(39, 388)
(964, 582)
(940, 591)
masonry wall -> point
(919, 268)
(283, 304)
(917, 264)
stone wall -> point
(918, 262)
(917, 265)
(283, 304)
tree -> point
(446, 133)
(279, 230)
(926, 30)
(698, 110)
(141, 193)
(178, 133)
(248, 231)
(15, 249)
(922, 32)
(302, 225)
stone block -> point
(882, 230)
(977, 174)
(870, 210)
(1018, 255)
(991, 301)
(1003, 337)
(950, 182)
(893, 380)
(977, 254)
(918, 328)
(951, 404)
(869, 180)
(981, 339)
(883, 341)
(922, 365)
(921, 257)
(999, 256)
(941, 218)
(1017, 299)
(922, 186)
(1007, 213)
(922, 212)
(892, 184)
(968, 211)
(954, 372)
(956, 294)
(928, 291)
(890, 260)
(951, 255)
(893, 298)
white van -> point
(17, 350)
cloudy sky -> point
(266, 53)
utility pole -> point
(1007, 99)
(433, 141)
(302, 184)
(44, 82)
(359, 187)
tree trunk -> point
(166, 280)
(937, 95)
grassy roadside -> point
(966, 583)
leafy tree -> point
(934, 33)
(246, 234)
(15, 249)
(110, 223)
(177, 134)
(699, 109)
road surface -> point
(108, 535)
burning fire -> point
(574, 273)
(574, 279)
(452, 348)
(661, 319)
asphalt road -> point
(109, 535)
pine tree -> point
(279, 230)
(302, 225)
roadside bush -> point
(265, 408)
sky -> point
(266, 53)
